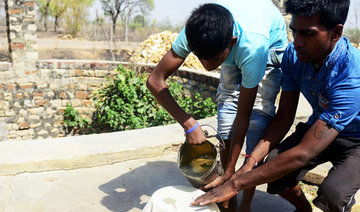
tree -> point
(112, 8)
(75, 15)
(58, 8)
(139, 20)
(134, 8)
(125, 9)
(44, 7)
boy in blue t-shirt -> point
(247, 38)
(325, 68)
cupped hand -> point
(196, 137)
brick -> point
(64, 103)
(26, 85)
(36, 110)
(36, 124)
(23, 126)
(78, 72)
(16, 11)
(35, 118)
(76, 103)
(56, 102)
(86, 102)
(31, 72)
(62, 110)
(41, 102)
(29, 4)
(15, 46)
(19, 95)
(71, 86)
(81, 95)
(101, 73)
(42, 85)
(10, 87)
(38, 95)
(62, 95)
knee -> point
(332, 198)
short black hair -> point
(331, 12)
(209, 30)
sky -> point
(177, 11)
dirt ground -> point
(53, 48)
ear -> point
(336, 32)
(233, 41)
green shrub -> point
(73, 121)
(125, 103)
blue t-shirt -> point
(259, 27)
(334, 92)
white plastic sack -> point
(177, 199)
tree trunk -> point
(126, 30)
(46, 14)
(114, 26)
(56, 23)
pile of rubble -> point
(155, 47)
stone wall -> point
(34, 109)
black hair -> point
(331, 12)
(209, 30)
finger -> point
(201, 200)
(216, 182)
(226, 204)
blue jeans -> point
(264, 105)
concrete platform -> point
(108, 172)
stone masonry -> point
(34, 109)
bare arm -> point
(241, 123)
(278, 126)
(318, 137)
(158, 87)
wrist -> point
(192, 128)
(188, 124)
(251, 160)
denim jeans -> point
(264, 105)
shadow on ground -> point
(132, 190)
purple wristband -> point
(192, 129)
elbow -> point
(150, 83)
(301, 158)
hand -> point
(245, 168)
(219, 180)
(196, 137)
(219, 194)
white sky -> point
(178, 11)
